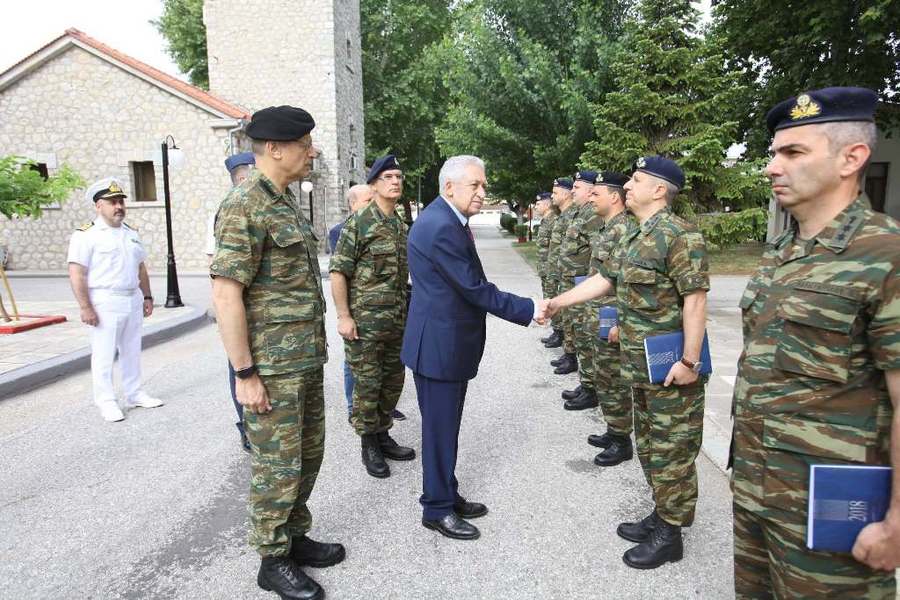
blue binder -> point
(842, 500)
(609, 318)
(663, 351)
(580, 278)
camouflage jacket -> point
(821, 325)
(560, 224)
(654, 266)
(543, 236)
(605, 242)
(265, 243)
(371, 254)
(575, 247)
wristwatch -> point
(246, 373)
(693, 366)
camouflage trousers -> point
(378, 377)
(668, 425)
(549, 289)
(586, 324)
(771, 561)
(612, 392)
(288, 446)
(567, 316)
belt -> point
(114, 292)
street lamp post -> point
(173, 296)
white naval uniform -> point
(112, 257)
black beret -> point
(611, 179)
(662, 167)
(280, 124)
(589, 176)
(236, 160)
(563, 182)
(827, 105)
(385, 163)
(544, 196)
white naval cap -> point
(104, 189)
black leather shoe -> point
(392, 450)
(600, 440)
(586, 399)
(454, 527)
(640, 531)
(372, 457)
(665, 545)
(569, 394)
(283, 576)
(569, 365)
(558, 361)
(305, 551)
(469, 510)
(556, 341)
(397, 415)
(617, 452)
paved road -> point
(154, 507)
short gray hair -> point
(845, 133)
(455, 166)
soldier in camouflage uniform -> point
(267, 292)
(547, 211)
(660, 275)
(562, 198)
(368, 281)
(574, 260)
(819, 378)
(608, 199)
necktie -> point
(469, 231)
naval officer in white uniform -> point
(110, 282)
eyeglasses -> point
(391, 177)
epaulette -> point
(86, 226)
(129, 226)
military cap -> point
(589, 176)
(611, 179)
(237, 160)
(828, 105)
(662, 167)
(544, 196)
(563, 182)
(104, 189)
(280, 124)
(385, 163)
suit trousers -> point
(441, 405)
(120, 317)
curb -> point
(47, 371)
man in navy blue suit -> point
(445, 330)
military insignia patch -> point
(114, 188)
(805, 108)
(85, 227)
(599, 178)
(556, 182)
(641, 163)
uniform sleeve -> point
(239, 244)
(884, 328)
(610, 267)
(142, 251)
(688, 263)
(79, 249)
(344, 259)
(211, 235)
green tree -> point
(24, 192)
(785, 48)
(675, 97)
(181, 24)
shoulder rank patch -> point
(85, 227)
(129, 226)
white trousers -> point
(121, 317)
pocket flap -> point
(289, 312)
(820, 310)
(815, 438)
(632, 273)
(382, 247)
(285, 235)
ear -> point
(854, 158)
(273, 149)
(448, 189)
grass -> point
(528, 251)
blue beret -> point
(385, 163)
(563, 182)
(661, 167)
(611, 179)
(237, 160)
(589, 176)
(280, 124)
(827, 105)
(544, 196)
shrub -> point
(521, 230)
(722, 230)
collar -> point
(836, 235)
(648, 225)
(269, 186)
(459, 215)
(619, 218)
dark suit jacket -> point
(445, 329)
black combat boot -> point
(586, 399)
(569, 394)
(392, 450)
(664, 546)
(618, 451)
(306, 551)
(600, 440)
(558, 361)
(548, 338)
(372, 457)
(640, 531)
(568, 365)
(281, 575)
(556, 340)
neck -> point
(616, 211)
(386, 205)
(278, 179)
(564, 205)
(110, 223)
(649, 211)
(813, 217)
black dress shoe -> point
(640, 531)
(617, 452)
(283, 576)
(392, 450)
(469, 510)
(569, 394)
(454, 527)
(305, 551)
(600, 440)
(665, 545)
(372, 457)
(586, 399)
(569, 365)
(397, 415)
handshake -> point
(544, 310)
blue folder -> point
(609, 318)
(842, 500)
(663, 351)
(580, 278)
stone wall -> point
(81, 110)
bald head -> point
(358, 196)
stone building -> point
(77, 101)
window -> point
(876, 184)
(143, 179)
(41, 168)
(353, 162)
